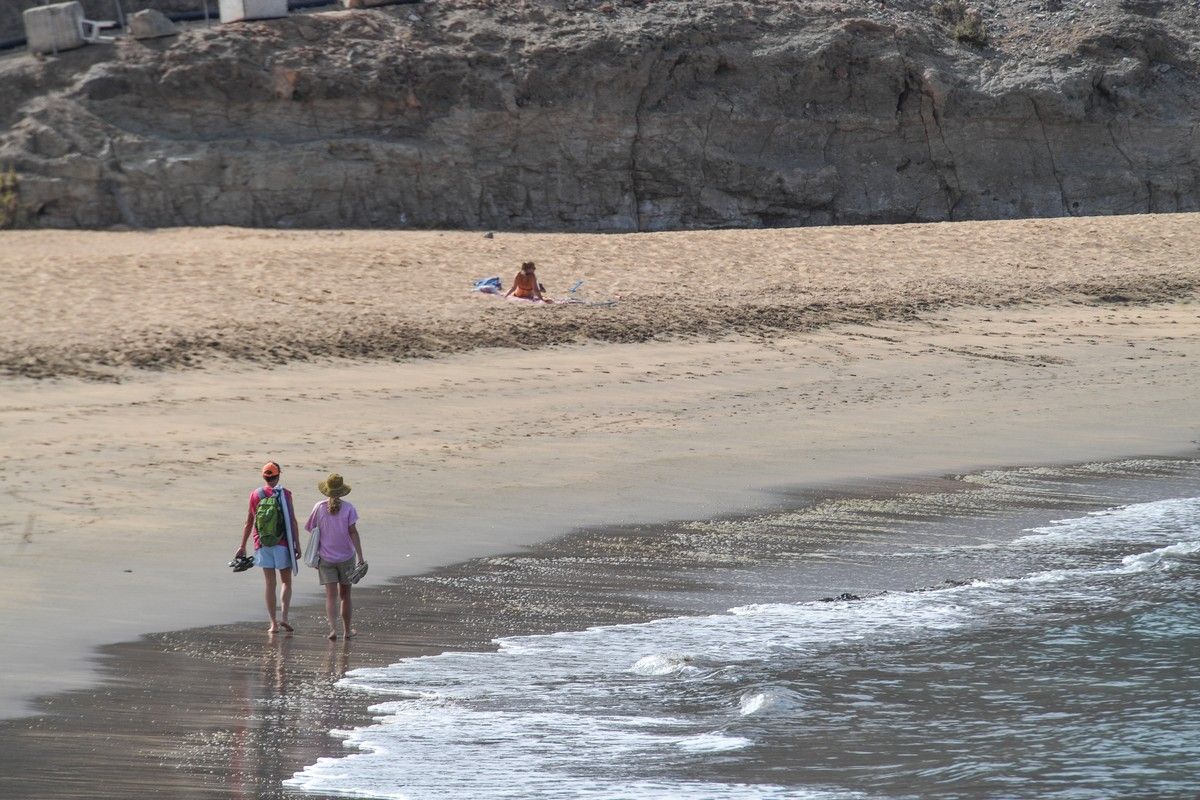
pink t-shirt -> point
(287, 499)
(336, 545)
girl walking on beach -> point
(339, 550)
(267, 519)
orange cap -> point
(270, 470)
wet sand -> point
(227, 712)
(478, 453)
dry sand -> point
(88, 304)
(737, 363)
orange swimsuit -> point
(525, 285)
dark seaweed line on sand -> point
(377, 336)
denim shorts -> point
(276, 557)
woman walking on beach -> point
(267, 520)
(339, 550)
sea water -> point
(1074, 674)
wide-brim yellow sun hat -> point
(333, 486)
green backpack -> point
(268, 518)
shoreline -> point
(228, 711)
(625, 434)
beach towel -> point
(287, 527)
(573, 300)
(490, 285)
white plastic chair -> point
(91, 29)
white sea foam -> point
(712, 743)
(663, 665)
(1138, 522)
(417, 751)
(753, 703)
(1165, 557)
(770, 700)
(588, 714)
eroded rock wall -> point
(643, 116)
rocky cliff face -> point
(583, 115)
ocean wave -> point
(592, 713)
(1166, 557)
(1137, 522)
(664, 665)
(771, 700)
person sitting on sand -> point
(525, 285)
(338, 549)
(271, 546)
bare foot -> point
(284, 624)
(331, 635)
(273, 629)
(350, 634)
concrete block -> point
(238, 10)
(369, 3)
(150, 23)
(55, 27)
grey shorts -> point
(336, 571)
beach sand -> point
(225, 711)
(90, 303)
(737, 366)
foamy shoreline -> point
(475, 454)
(953, 359)
(228, 712)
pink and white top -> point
(335, 531)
